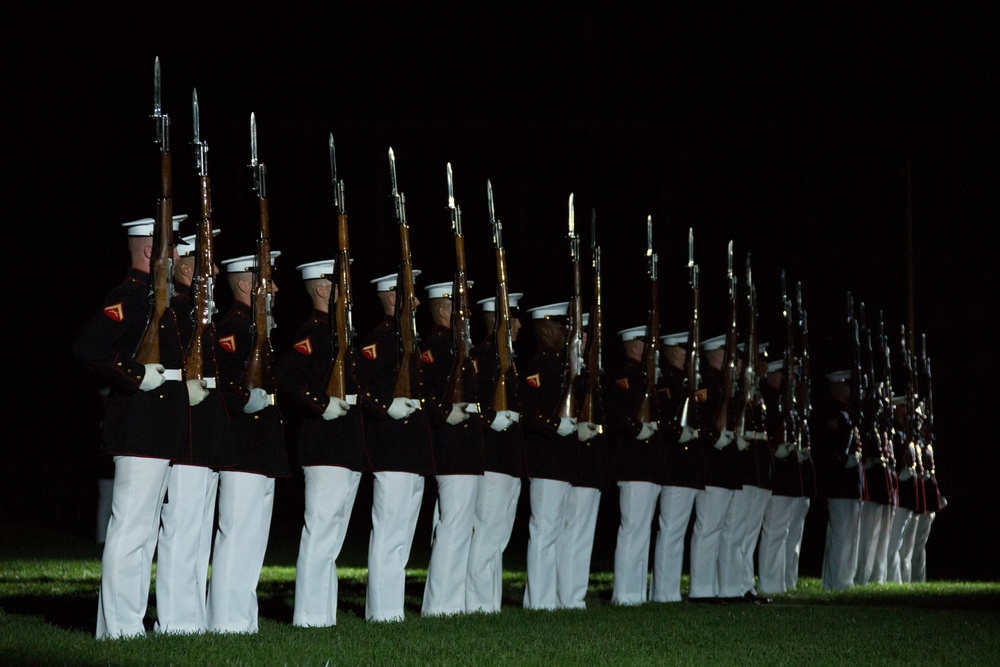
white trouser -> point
(711, 506)
(396, 499)
(636, 504)
(918, 566)
(899, 522)
(496, 509)
(548, 502)
(840, 555)
(676, 505)
(880, 563)
(330, 492)
(796, 529)
(105, 490)
(127, 562)
(184, 549)
(906, 549)
(245, 504)
(773, 540)
(455, 512)
(758, 500)
(577, 546)
(868, 533)
(731, 581)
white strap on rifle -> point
(172, 374)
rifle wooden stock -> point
(502, 337)
(406, 373)
(574, 354)
(724, 416)
(257, 369)
(591, 403)
(647, 409)
(685, 415)
(336, 385)
(457, 392)
(194, 361)
(161, 262)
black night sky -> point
(790, 132)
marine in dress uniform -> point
(788, 490)
(330, 449)
(246, 491)
(398, 442)
(187, 518)
(684, 466)
(934, 503)
(503, 469)
(722, 478)
(145, 428)
(841, 479)
(638, 469)
(590, 479)
(908, 491)
(876, 508)
(457, 433)
(550, 456)
(741, 530)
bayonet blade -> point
(197, 117)
(451, 189)
(157, 109)
(253, 140)
(649, 236)
(392, 170)
(690, 247)
(571, 217)
(333, 161)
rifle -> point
(749, 384)
(724, 417)
(912, 427)
(871, 406)
(407, 370)
(804, 398)
(161, 285)
(257, 372)
(503, 390)
(647, 411)
(204, 277)
(686, 417)
(886, 427)
(591, 405)
(789, 411)
(854, 408)
(574, 341)
(457, 392)
(928, 430)
(342, 328)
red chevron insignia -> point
(115, 312)
(228, 343)
(304, 346)
(622, 383)
(534, 380)
(427, 357)
(370, 351)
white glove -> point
(725, 438)
(457, 414)
(647, 431)
(337, 407)
(197, 391)
(687, 434)
(502, 421)
(851, 462)
(152, 378)
(742, 443)
(587, 431)
(783, 450)
(401, 408)
(803, 454)
(944, 502)
(258, 401)
(905, 474)
(566, 425)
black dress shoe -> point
(757, 599)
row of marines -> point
(184, 450)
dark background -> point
(788, 131)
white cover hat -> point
(713, 343)
(760, 347)
(188, 244)
(145, 226)
(899, 400)
(679, 338)
(632, 333)
(443, 290)
(246, 263)
(489, 304)
(552, 310)
(388, 283)
(321, 269)
(775, 366)
(838, 376)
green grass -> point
(48, 600)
